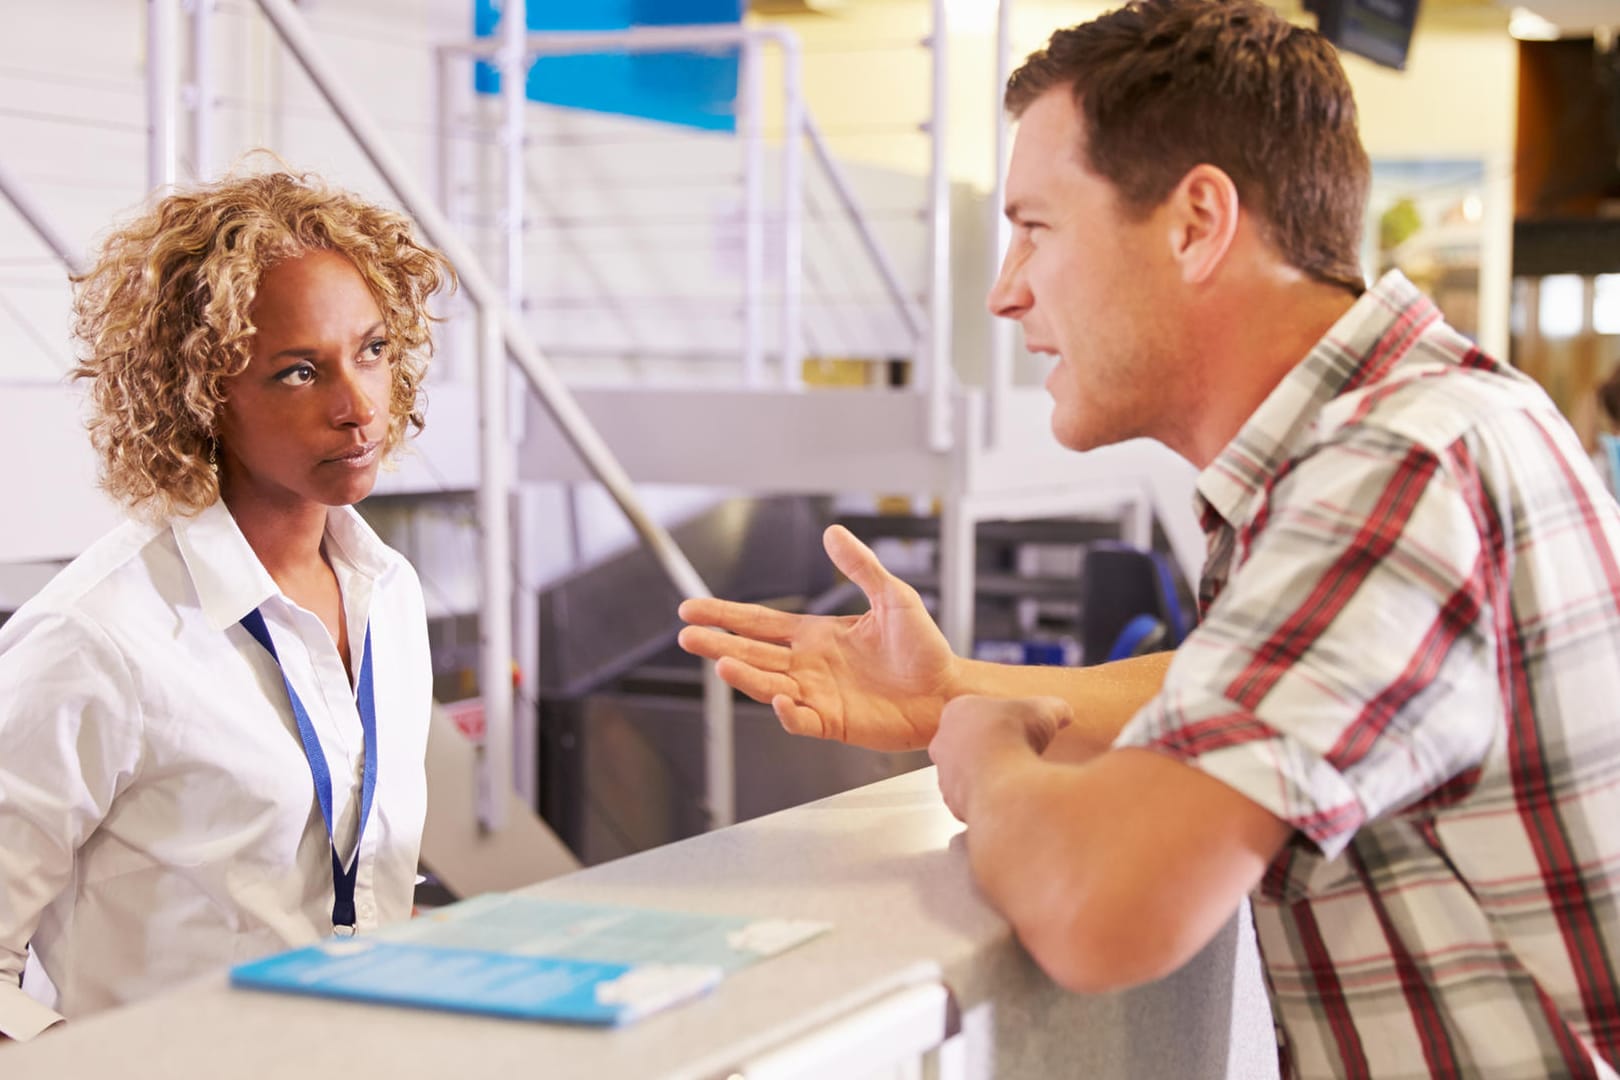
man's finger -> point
(798, 719)
(1050, 715)
(749, 620)
(715, 645)
(762, 686)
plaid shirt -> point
(1410, 653)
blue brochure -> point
(519, 956)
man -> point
(1392, 727)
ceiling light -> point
(1526, 25)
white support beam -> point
(938, 379)
(792, 217)
(200, 92)
(495, 558)
(162, 92)
(753, 212)
(999, 379)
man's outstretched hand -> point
(877, 680)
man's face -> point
(1090, 286)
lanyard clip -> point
(343, 931)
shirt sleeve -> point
(69, 743)
(1347, 669)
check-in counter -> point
(917, 977)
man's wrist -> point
(964, 677)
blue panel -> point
(693, 89)
(684, 12)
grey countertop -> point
(885, 864)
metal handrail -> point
(35, 218)
(499, 327)
(880, 258)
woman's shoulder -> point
(101, 579)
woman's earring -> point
(213, 453)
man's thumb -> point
(855, 561)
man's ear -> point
(1203, 222)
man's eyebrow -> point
(1019, 211)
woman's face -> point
(304, 423)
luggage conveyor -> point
(621, 712)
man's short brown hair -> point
(1164, 85)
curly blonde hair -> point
(163, 320)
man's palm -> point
(877, 680)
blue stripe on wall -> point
(693, 89)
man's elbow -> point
(1096, 954)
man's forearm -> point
(1034, 860)
(1103, 698)
(1114, 872)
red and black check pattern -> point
(1411, 653)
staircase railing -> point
(34, 216)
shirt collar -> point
(1358, 350)
(350, 538)
(229, 578)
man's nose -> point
(1009, 297)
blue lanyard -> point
(342, 880)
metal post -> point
(554, 394)
(443, 123)
(495, 555)
(514, 115)
(162, 91)
(1496, 256)
(1001, 330)
(202, 88)
(792, 214)
(960, 513)
(34, 217)
(514, 95)
(937, 379)
(956, 560)
(753, 146)
(718, 765)
(1136, 519)
(526, 648)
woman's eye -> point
(376, 350)
(297, 375)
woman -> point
(207, 713)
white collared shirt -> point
(157, 814)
